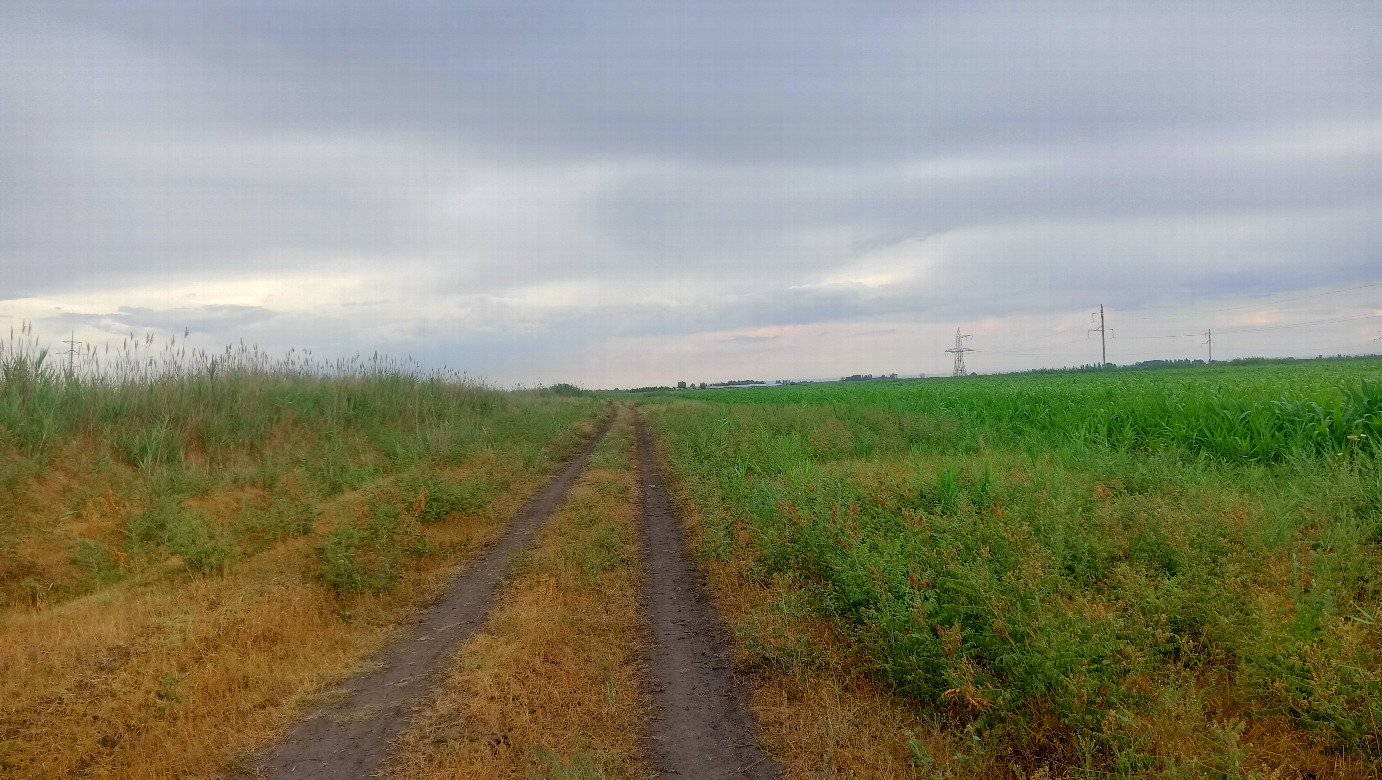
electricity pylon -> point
(960, 349)
(1103, 342)
(72, 353)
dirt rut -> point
(351, 737)
(701, 726)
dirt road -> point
(701, 725)
(350, 737)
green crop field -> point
(1166, 571)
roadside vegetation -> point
(1163, 573)
(192, 544)
(1157, 572)
(551, 687)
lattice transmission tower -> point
(960, 349)
(72, 352)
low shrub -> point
(170, 526)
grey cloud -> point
(772, 80)
(688, 168)
(218, 319)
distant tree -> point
(681, 385)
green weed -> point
(437, 498)
(369, 555)
(184, 532)
(96, 559)
(1077, 545)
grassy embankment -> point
(1172, 573)
(551, 686)
(191, 545)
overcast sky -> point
(630, 193)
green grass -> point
(1065, 564)
(215, 458)
(1257, 412)
(185, 532)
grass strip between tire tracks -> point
(551, 687)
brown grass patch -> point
(168, 674)
(42, 517)
(551, 687)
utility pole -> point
(1103, 343)
(960, 349)
(72, 353)
(1209, 339)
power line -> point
(1241, 307)
(1230, 328)
(1287, 325)
(1061, 341)
(1148, 338)
(1029, 347)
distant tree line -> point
(866, 377)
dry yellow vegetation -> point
(186, 561)
(551, 687)
(153, 675)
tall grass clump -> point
(167, 406)
(167, 428)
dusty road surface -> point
(350, 737)
(701, 725)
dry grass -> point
(551, 688)
(43, 517)
(163, 673)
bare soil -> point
(350, 735)
(701, 725)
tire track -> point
(701, 726)
(350, 738)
